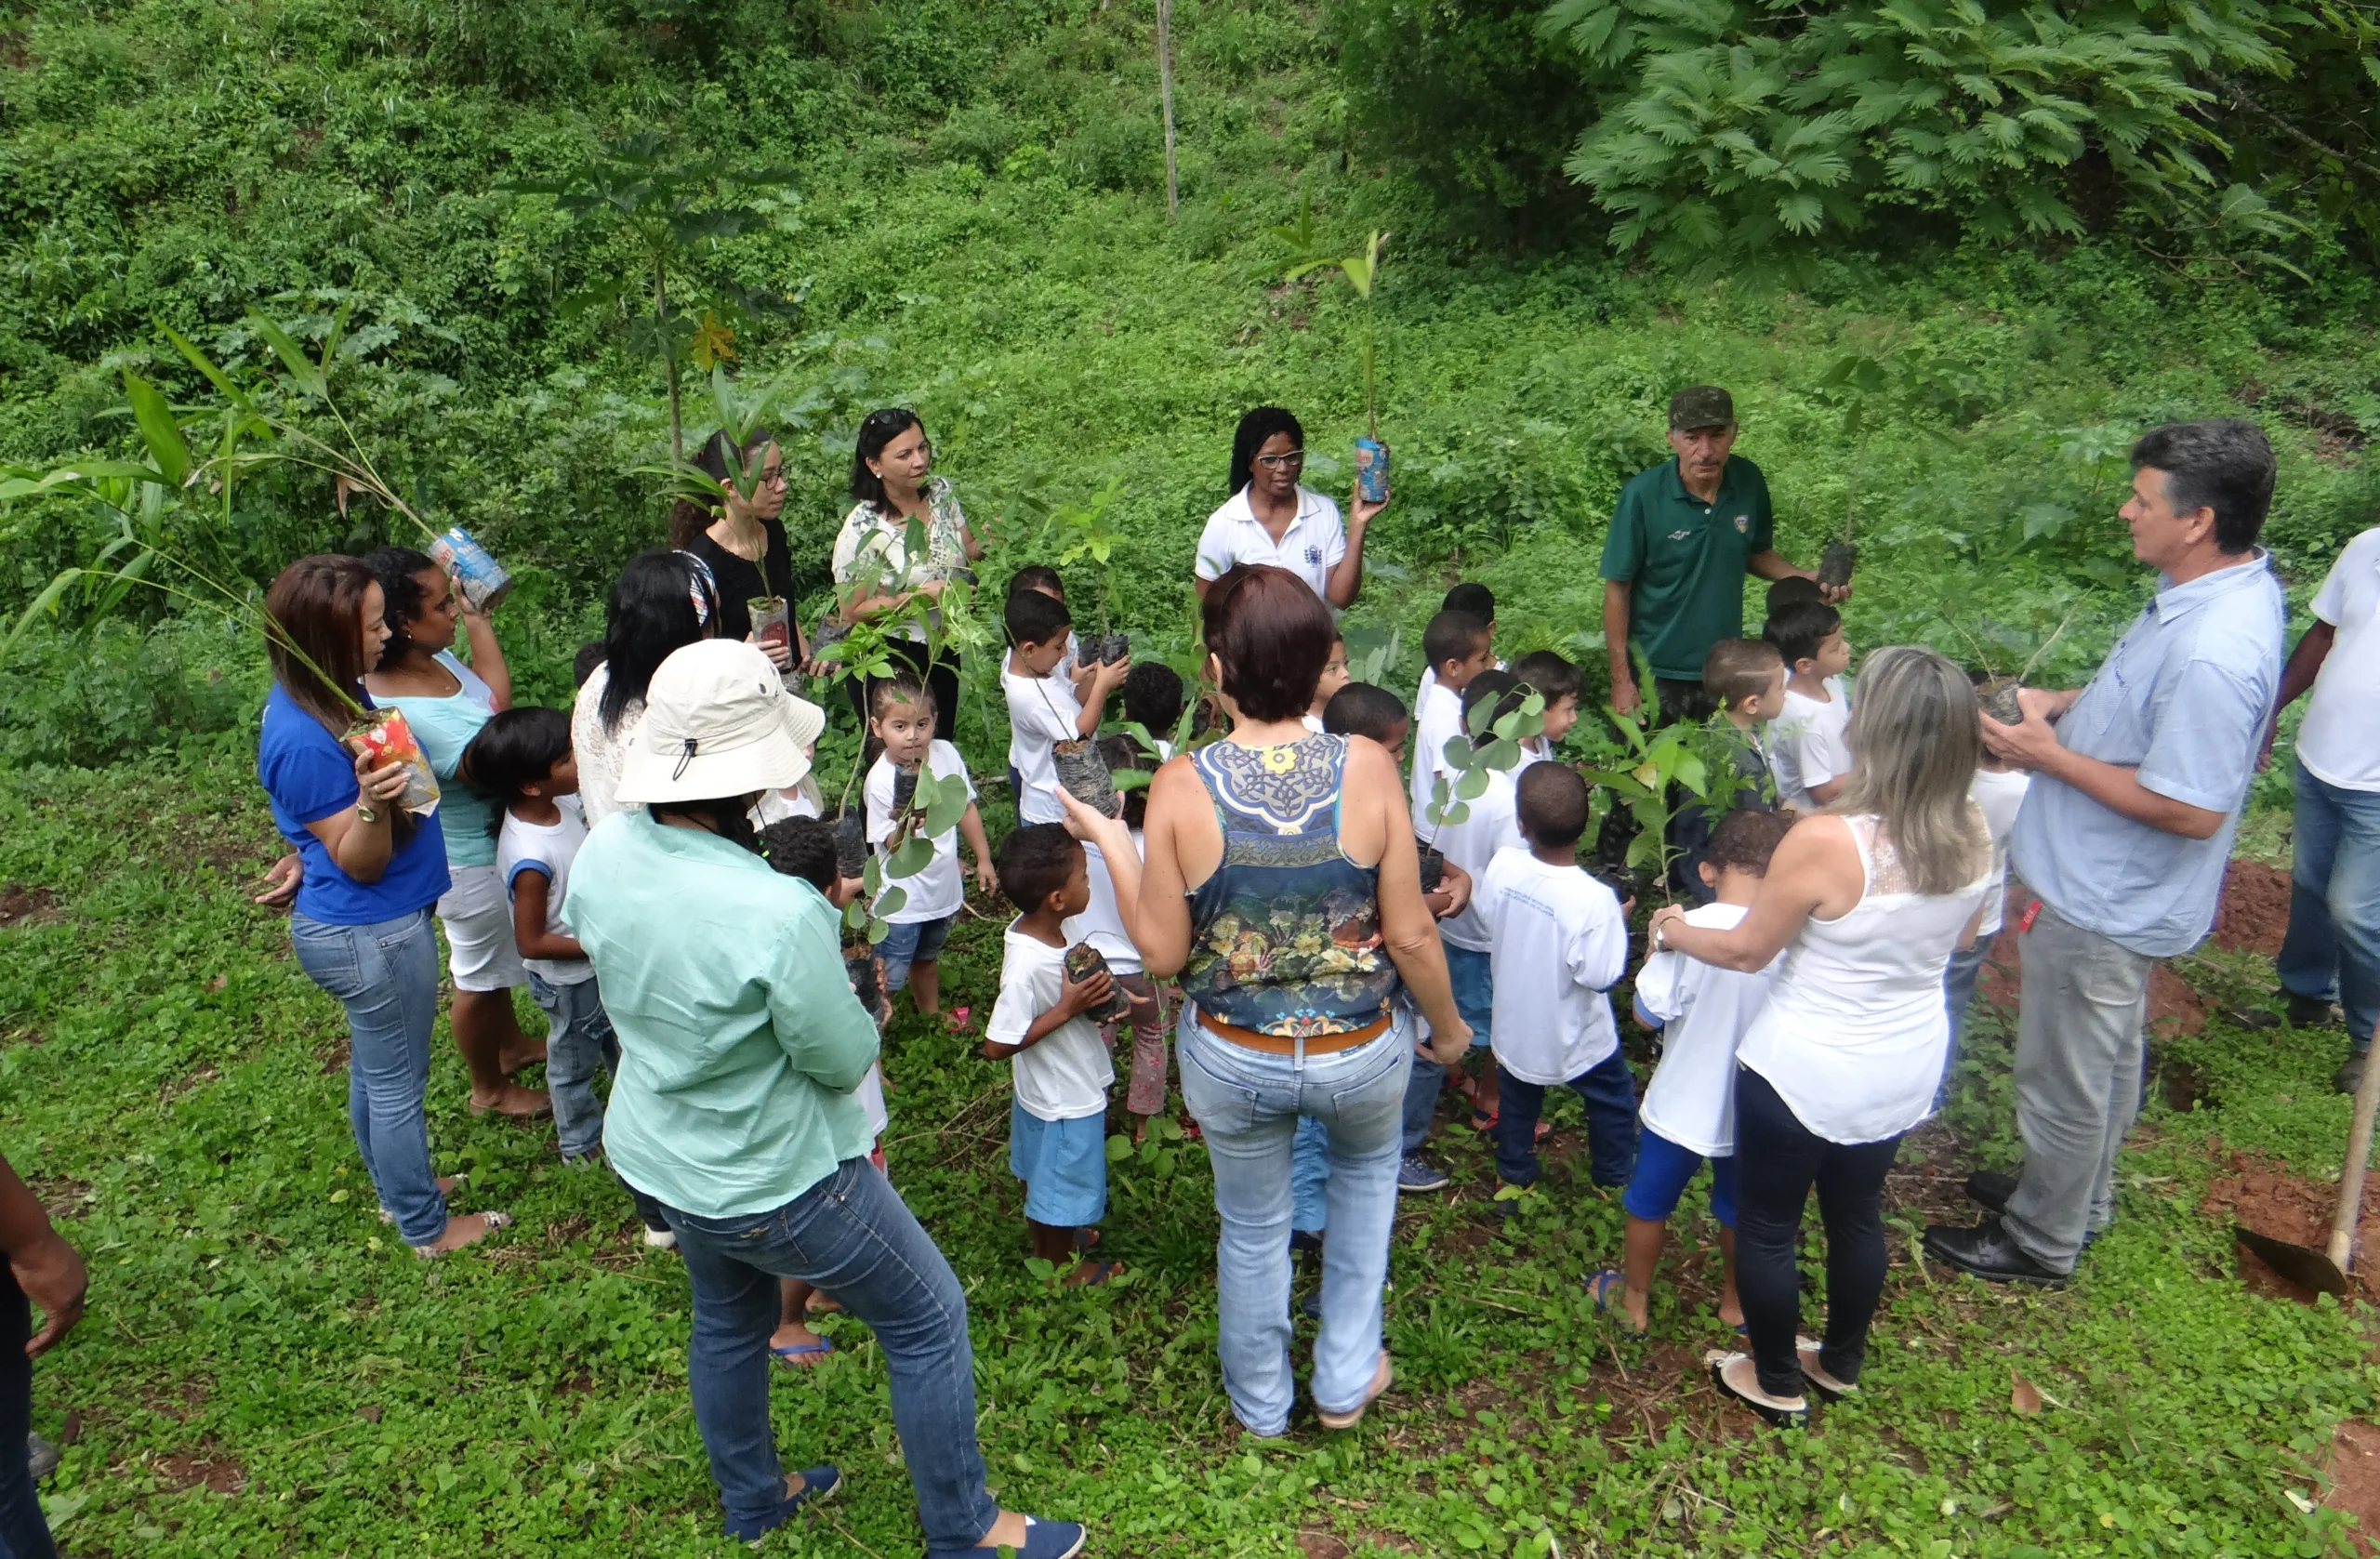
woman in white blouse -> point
(661, 602)
(1867, 901)
(1271, 520)
(876, 571)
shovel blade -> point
(2306, 1267)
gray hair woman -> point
(1867, 901)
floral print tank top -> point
(1285, 936)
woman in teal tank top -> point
(1282, 882)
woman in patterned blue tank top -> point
(1281, 881)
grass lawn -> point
(264, 1370)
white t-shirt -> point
(942, 887)
(1311, 547)
(549, 848)
(1066, 1074)
(1999, 792)
(1691, 1100)
(1101, 924)
(1041, 713)
(1560, 944)
(1493, 825)
(1438, 715)
(2340, 739)
(1807, 745)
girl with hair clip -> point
(892, 487)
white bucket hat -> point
(718, 723)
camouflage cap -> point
(1701, 405)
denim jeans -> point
(911, 942)
(386, 975)
(2332, 950)
(1607, 1090)
(1958, 995)
(24, 1533)
(1249, 1105)
(1421, 1108)
(578, 1039)
(850, 1236)
(1309, 1176)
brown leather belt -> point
(1277, 1044)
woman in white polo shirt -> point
(1271, 520)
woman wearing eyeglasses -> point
(876, 573)
(1270, 519)
(742, 542)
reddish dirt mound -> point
(2273, 1201)
(2354, 1476)
(2253, 911)
(25, 904)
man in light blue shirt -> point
(2136, 792)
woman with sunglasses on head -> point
(876, 572)
(1271, 520)
(742, 540)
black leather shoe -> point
(1986, 1251)
(1989, 1190)
(2310, 1012)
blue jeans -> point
(911, 942)
(23, 1532)
(1958, 995)
(578, 1039)
(2332, 950)
(386, 975)
(851, 1236)
(1309, 1176)
(1249, 1105)
(1472, 977)
(1608, 1091)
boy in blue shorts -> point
(1689, 1111)
(1043, 1026)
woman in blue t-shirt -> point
(360, 924)
(446, 702)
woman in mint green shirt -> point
(446, 702)
(741, 1045)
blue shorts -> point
(1474, 990)
(1064, 1165)
(1664, 1168)
(917, 941)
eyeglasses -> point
(772, 476)
(1293, 461)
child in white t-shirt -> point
(1560, 941)
(1101, 925)
(521, 760)
(2000, 791)
(1489, 825)
(901, 716)
(1689, 1113)
(1042, 707)
(1459, 647)
(1043, 1026)
(1809, 747)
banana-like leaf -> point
(41, 605)
(302, 369)
(201, 362)
(158, 429)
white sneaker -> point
(661, 1239)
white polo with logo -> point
(1313, 545)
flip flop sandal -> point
(802, 1355)
(1099, 1273)
(1812, 1371)
(821, 1305)
(1601, 1286)
(494, 1221)
(1086, 1238)
(1776, 1411)
(955, 1021)
(1382, 1378)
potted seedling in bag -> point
(1997, 692)
(1853, 382)
(1361, 270)
(1083, 961)
(930, 808)
(1489, 743)
(1086, 532)
(1082, 770)
(1654, 763)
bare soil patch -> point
(2354, 1477)
(19, 902)
(210, 1464)
(2253, 914)
(2271, 1201)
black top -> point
(741, 582)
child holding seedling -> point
(1049, 582)
(1478, 600)
(901, 717)
(1042, 708)
(1490, 824)
(1558, 683)
(1700, 1011)
(1809, 749)
(1458, 648)
(1101, 925)
(522, 764)
(1043, 1026)
(1152, 702)
(1746, 679)
(1559, 942)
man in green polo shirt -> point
(1683, 538)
